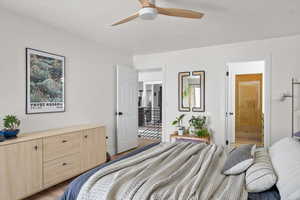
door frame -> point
(164, 104)
(267, 98)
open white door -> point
(127, 108)
(235, 70)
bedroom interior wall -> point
(89, 75)
(150, 76)
(282, 54)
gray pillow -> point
(239, 160)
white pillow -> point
(239, 160)
(260, 176)
(285, 156)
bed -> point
(76, 187)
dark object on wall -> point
(45, 82)
(182, 80)
(191, 91)
(292, 96)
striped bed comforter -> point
(177, 171)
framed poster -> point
(45, 82)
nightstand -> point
(189, 138)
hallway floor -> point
(247, 140)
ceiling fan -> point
(149, 11)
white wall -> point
(89, 75)
(281, 53)
(150, 76)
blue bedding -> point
(74, 187)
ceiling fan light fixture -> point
(148, 13)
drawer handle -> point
(85, 136)
(64, 164)
(64, 141)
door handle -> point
(119, 113)
(231, 113)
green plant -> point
(198, 122)
(178, 120)
(202, 132)
(11, 122)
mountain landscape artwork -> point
(45, 82)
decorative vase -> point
(9, 134)
(2, 138)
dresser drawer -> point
(62, 145)
(61, 169)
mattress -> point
(74, 187)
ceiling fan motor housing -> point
(148, 13)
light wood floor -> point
(241, 140)
(55, 192)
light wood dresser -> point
(36, 161)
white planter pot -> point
(180, 130)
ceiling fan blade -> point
(176, 12)
(145, 3)
(132, 17)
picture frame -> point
(45, 82)
(191, 91)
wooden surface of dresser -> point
(34, 162)
(61, 169)
(62, 145)
(93, 146)
(20, 169)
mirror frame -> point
(201, 74)
(181, 108)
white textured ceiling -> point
(226, 21)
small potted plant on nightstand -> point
(178, 123)
(198, 126)
(11, 125)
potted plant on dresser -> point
(11, 126)
(178, 123)
(198, 126)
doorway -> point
(246, 99)
(150, 107)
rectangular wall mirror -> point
(191, 91)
